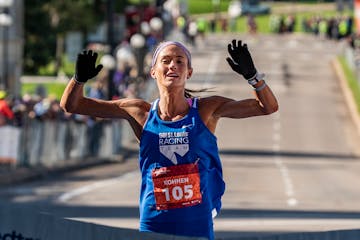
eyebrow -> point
(165, 56)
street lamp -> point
(5, 22)
(156, 24)
(137, 41)
(108, 61)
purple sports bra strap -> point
(189, 100)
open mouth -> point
(172, 75)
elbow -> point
(272, 109)
(67, 106)
(275, 108)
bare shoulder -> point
(136, 108)
(141, 104)
(212, 103)
(208, 106)
(214, 99)
(122, 108)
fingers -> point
(236, 45)
(98, 68)
(239, 44)
(230, 48)
(231, 62)
(89, 53)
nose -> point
(172, 65)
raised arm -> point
(73, 100)
(265, 102)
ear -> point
(190, 71)
(152, 73)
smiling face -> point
(171, 68)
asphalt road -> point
(295, 170)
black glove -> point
(85, 68)
(241, 61)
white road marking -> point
(211, 71)
(93, 186)
(248, 224)
(312, 224)
(288, 185)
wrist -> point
(77, 81)
(256, 78)
(260, 86)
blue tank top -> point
(174, 143)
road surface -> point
(295, 170)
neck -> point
(172, 106)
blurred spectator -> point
(224, 25)
(19, 110)
(212, 25)
(201, 27)
(234, 11)
(345, 26)
(2, 120)
(282, 27)
(121, 78)
(181, 24)
(282, 24)
(354, 41)
(5, 110)
(41, 109)
(274, 23)
(251, 24)
(192, 32)
(95, 125)
(323, 28)
(290, 22)
(335, 28)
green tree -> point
(47, 24)
(39, 37)
(71, 15)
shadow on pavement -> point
(288, 154)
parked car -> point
(244, 7)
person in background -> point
(182, 182)
(5, 110)
(95, 126)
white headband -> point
(162, 45)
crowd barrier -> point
(9, 145)
(24, 223)
(50, 143)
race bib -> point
(176, 186)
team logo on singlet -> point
(174, 142)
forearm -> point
(71, 97)
(266, 97)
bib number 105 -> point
(176, 186)
(178, 192)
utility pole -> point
(111, 43)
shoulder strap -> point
(195, 102)
(155, 104)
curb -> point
(14, 176)
(349, 99)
